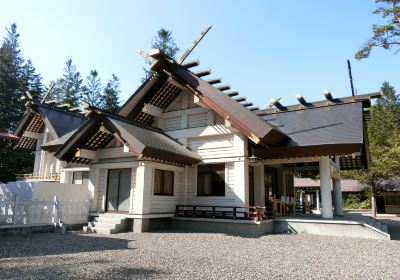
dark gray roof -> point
(56, 143)
(143, 140)
(339, 124)
(62, 121)
(151, 139)
(389, 185)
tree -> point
(111, 95)
(384, 142)
(166, 43)
(68, 89)
(11, 81)
(386, 36)
(16, 77)
(32, 81)
(92, 90)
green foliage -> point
(384, 140)
(164, 42)
(16, 77)
(111, 95)
(356, 201)
(92, 90)
(386, 36)
(68, 88)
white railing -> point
(38, 177)
(42, 212)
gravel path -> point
(170, 255)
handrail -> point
(30, 176)
(257, 213)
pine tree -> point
(11, 81)
(164, 42)
(32, 81)
(386, 36)
(92, 90)
(68, 89)
(111, 95)
(384, 142)
(16, 77)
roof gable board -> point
(141, 140)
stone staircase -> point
(378, 225)
(107, 223)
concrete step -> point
(113, 215)
(104, 230)
(109, 220)
(108, 225)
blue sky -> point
(264, 49)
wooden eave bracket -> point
(84, 153)
(152, 110)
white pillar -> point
(301, 198)
(326, 195)
(337, 191)
(317, 200)
(93, 187)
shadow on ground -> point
(393, 226)
(43, 244)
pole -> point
(351, 77)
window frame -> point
(224, 179)
(164, 172)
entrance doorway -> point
(380, 204)
(118, 190)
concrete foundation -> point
(236, 228)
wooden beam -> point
(65, 105)
(196, 100)
(152, 110)
(174, 82)
(84, 153)
(202, 73)
(224, 87)
(247, 104)
(191, 63)
(194, 44)
(30, 134)
(240, 99)
(232, 93)
(214, 81)
(253, 108)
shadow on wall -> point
(22, 189)
(45, 244)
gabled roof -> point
(142, 140)
(171, 78)
(322, 129)
(38, 116)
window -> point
(211, 180)
(392, 200)
(80, 177)
(163, 182)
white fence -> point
(25, 212)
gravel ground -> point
(170, 255)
